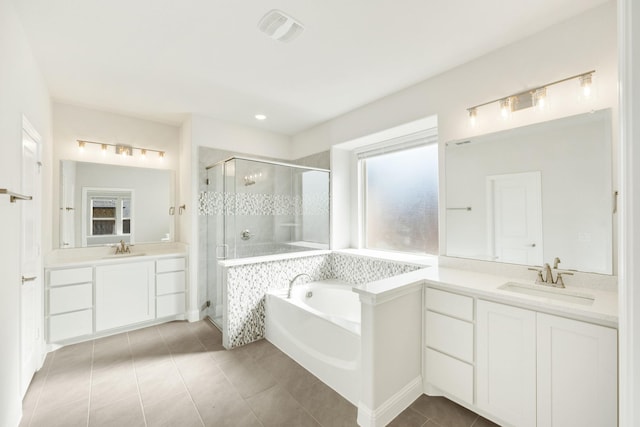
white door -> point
(515, 218)
(577, 373)
(506, 363)
(31, 310)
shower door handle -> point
(224, 251)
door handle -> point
(29, 279)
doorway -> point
(31, 306)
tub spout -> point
(292, 281)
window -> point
(107, 216)
(400, 198)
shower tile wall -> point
(248, 284)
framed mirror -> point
(102, 204)
(530, 194)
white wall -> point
(583, 43)
(71, 123)
(23, 92)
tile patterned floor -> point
(178, 374)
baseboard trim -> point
(392, 407)
(194, 316)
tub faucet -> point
(292, 281)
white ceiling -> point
(161, 59)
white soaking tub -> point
(319, 327)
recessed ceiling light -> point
(260, 117)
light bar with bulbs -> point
(535, 97)
(121, 149)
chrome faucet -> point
(292, 281)
(123, 248)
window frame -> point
(89, 194)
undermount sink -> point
(558, 294)
(123, 255)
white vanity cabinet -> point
(449, 342)
(69, 296)
(125, 294)
(536, 369)
(506, 353)
(577, 373)
(170, 286)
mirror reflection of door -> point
(515, 218)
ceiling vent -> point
(280, 26)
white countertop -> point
(603, 311)
(106, 254)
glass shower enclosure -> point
(257, 208)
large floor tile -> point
(108, 386)
(327, 406)
(276, 407)
(247, 376)
(123, 412)
(177, 410)
(159, 382)
(74, 414)
(443, 411)
(408, 418)
(291, 376)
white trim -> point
(392, 407)
(629, 254)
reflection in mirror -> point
(530, 194)
(103, 204)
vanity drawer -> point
(70, 325)
(70, 298)
(70, 276)
(172, 264)
(170, 305)
(170, 283)
(455, 305)
(449, 374)
(448, 335)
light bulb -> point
(103, 149)
(143, 154)
(585, 83)
(81, 145)
(505, 108)
(473, 116)
(161, 155)
(540, 98)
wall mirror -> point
(530, 194)
(102, 204)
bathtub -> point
(319, 327)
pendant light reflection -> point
(585, 84)
(505, 108)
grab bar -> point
(14, 196)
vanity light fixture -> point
(534, 97)
(121, 149)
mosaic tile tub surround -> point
(246, 286)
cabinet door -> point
(506, 362)
(125, 294)
(577, 373)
